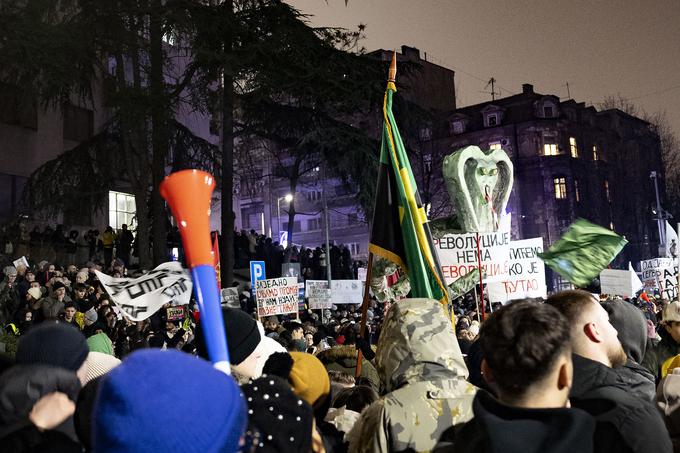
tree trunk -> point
(142, 237)
(227, 190)
(159, 141)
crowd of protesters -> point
(572, 373)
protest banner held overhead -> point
(618, 282)
(139, 298)
(526, 273)
(652, 272)
(347, 292)
(318, 294)
(277, 296)
(458, 255)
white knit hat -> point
(98, 364)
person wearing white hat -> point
(669, 345)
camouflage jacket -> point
(422, 370)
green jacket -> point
(344, 358)
(658, 353)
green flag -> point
(400, 230)
(583, 251)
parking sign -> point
(256, 272)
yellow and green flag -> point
(400, 230)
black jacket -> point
(500, 428)
(626, 421)
(20, 388)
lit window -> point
(122, 210)
(457, 127)
(492, 119)
(573, 147)
(606, 191)
(577, 191)
(560, 188)
(550, 149)
(494, 145)
(596, 154)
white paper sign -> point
(139, 298)
(362, 273)
(618, 282)
(20, 262)
(318, 294)
(277, 296)
(347, 292)
(652, 272)
(458, 255)
(526, 273)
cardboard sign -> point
(277, 296)
(526, 273)
(347, 292)
(458, 255)
(175, 313)
(618, 282)
(318, 294)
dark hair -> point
(290, 326)
(571, 303)
(521, 342)
(355, 398)
(70, 305)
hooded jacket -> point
(20, 388)
(625, 421)
(496, 426)
(423, 374)
(658, 353)
(344, 358)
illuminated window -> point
(573, 147)
(596, 154)
(122, 210)
(577, 191)
(494, 145)
(560, 184)
(457, 127)
(550, 149)
(606, 191)
(492, 119)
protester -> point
(422, 370)
(669, 345)
(625, 422)
(168, 401)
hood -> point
(417, 343)
(629, 321)
(345, 355)
(23, 385)
(558, 430)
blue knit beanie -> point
(158, 401)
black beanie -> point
(54, 344)
(243, 336)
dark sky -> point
(600, 47)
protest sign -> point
(290, 270)
(139, 298)
(669, 282)
(362, 273)
(618, 282)
(458, 255)
(318, 294)
(175, 313)
(526, 273)
(230, 297)
(346, 292)
(20, 262)
(652, 271)
(277, 296)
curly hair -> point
(521, 342)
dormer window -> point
(457, 127)
(548, 111)
(492, 119)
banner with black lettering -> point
(139, 298)
(458, 255)
(526, 273)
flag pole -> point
(481, 279)
(364, 309)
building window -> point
(352, 218)
(573, 147)
(550, 149)
(297, 226)
(560, 184)
(596, 153)
(313, 195)
(314, 224)
(606, 191)
(425, 133)
(492, 119)
(354, 248)
(457, 127)
(17, 110)
(494, 145)
(78, 123)
(548, 111)
(577, 191)
(427, 163)
(122, 210)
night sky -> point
(600, 48)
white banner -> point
(526, 273)
(318, 294)
(652, 272)
(139, 298)
(21, 262)
(458, 255)
(618, 282)
(347, 292)
(277, 296)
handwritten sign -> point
(277, 296)
(318, 294)
(526, 273)
(458, 255)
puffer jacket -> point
(658, 353)
(422, 370)
(344, 358)
(20, 388)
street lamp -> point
(287, 198)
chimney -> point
(411, 53)
(527, 88)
